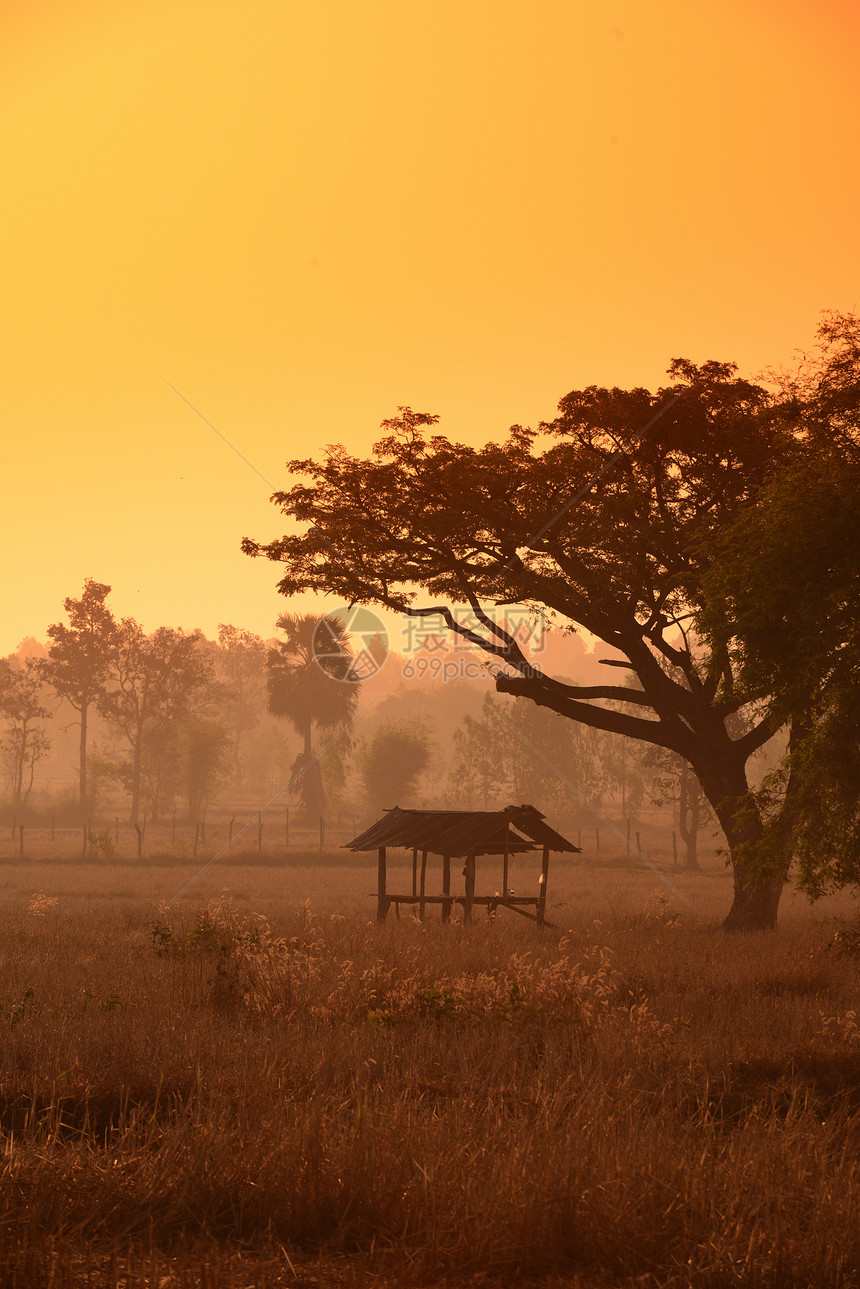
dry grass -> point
(217, 1096)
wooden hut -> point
(462, 834)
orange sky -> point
(303, 215)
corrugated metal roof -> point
(462, 832)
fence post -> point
(173, 833)
(21, 833)
(674, 851)
(230, 835)
(84, 850)
(137, 829)
(286, 825)
(260, 831)
(196, 838)
(322, 832)
(628, 836)
(116, 830)
(638, 844)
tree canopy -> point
(606, 518)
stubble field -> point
(248, 1088)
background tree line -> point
(172, 722)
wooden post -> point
(137, 829)
(84, 850)
(173, 830)
(116, 830)
(203, 832)
(196, 838)
(544, 877)
(674, 851)
(286, 825)
(505, 865)
(381, 896)
(628, 837)
(421, 905)
(322, 832)
(14, 827)
(579, 838)
(446, 887)
(638, 844)
(469, 872)
(230, 833)
(21, 837)
(414, 870)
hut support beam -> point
(544, 877)
(421, 905)
(446, 887)
(469, 873)
(381, 896)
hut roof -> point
(463, 832)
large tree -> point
(602, 518)
(79, 660)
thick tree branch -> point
(601, 718)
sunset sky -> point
(301, 215)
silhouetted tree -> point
(79, 660)
(311, 684)
(23, 695)
(601, 516)
(393, 761)
(203, 763)
(784, 601)
(242, 666)
(527, 754)
(153, 682)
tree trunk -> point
(83, 760)
(756, 896)
(688, 818)
(135, 780)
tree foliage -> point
(393, 761)
(523, 753)
(79, 660)
(153, 683)
(784, 600)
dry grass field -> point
(248, 1089)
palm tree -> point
(311, 683)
